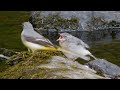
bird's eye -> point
(61, 36)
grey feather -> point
(76, 46)
(30, 35)
(37, 40)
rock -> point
(2, 57)
(84, 18)
(46, 65)
(7, 52)
(65, 68)
(106, 68)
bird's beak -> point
(60, 38)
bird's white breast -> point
(74, 48)
(31, 45)
(34, 46)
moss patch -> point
(3, 66)
(100, 22)
(22, 66)
(55, 21)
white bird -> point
(76, 46)
(33, 40)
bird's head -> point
(63, 37)
(27, 25)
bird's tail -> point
(93, 56)
(86, 58)
(66, 51)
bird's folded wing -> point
(80, 42)
(41, 41)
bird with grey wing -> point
(76, 46)
(33, 40)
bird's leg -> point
(30, 58)
(24, 54)
(29, 50)
(33, 53)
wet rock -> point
(2, 57)
(7, 52)
(55, 67)
(106, 68)
(64, 68)
(85, 22)
(55, 20)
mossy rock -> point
(7, 52)
(24, 65)
(55, 21)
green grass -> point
(3, 66)
(10, 29)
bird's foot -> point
(28, 60)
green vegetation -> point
(114, 23)
(3, 66)
(96, 22)
(23, 65)
(10, 29)
(55, 21)
(100, 22)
